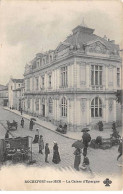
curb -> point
(43, 126)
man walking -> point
(86, 139)
(47, 152)
(120, 149)
(22, 123)
(41, 144)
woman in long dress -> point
(36, 136)
(56, 157)
(31, 125)
(77, 160)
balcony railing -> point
(97, 87)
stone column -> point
(75, 74)
(106, 110)
(106, 77)
(114, 109)
(34, 105)
(114, 78)
(39, 106)
(88, 106)
(87, 76)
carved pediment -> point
(62, 46)
(97, 47)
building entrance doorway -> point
(43, 110)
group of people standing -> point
(86, 138)
(39, 139)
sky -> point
(30, 27)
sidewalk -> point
(71, 135)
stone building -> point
(3, 95)
(76, 82)
(15, 93)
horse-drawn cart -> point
(12, 126)
(15, 149)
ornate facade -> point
(75, 83)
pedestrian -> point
(47, 152)
(84, 151)
(86, 138)
(100, 124)
(115, 134)
(120, 149)
(41, 144)
(31, 125)
(36, 136)
(22, 123)
(77, 159)
(56, 156)
(7, 134)
(114, 126)
(21, 110)
(86, 164)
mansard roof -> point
(83, 35)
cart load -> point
(15, 149)
(104, 143)
(12, 126)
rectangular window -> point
(96, 75)
(43, 82)
(64, 79)
(49, 81)
(37, 83)
(118, 76)
(28, 103)
(50, 106)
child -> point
(85, 164)
(47, 151)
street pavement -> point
(101, 161)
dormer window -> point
(43, 61)
(38, 62)
(50, 58)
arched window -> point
(64, 107)
(96, 107)
(50, 105)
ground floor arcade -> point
(76, 110)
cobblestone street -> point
(98, 163)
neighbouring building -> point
(75, 83)
(15, 88)
(3, 95)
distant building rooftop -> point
(17, 80)
(2, 87)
